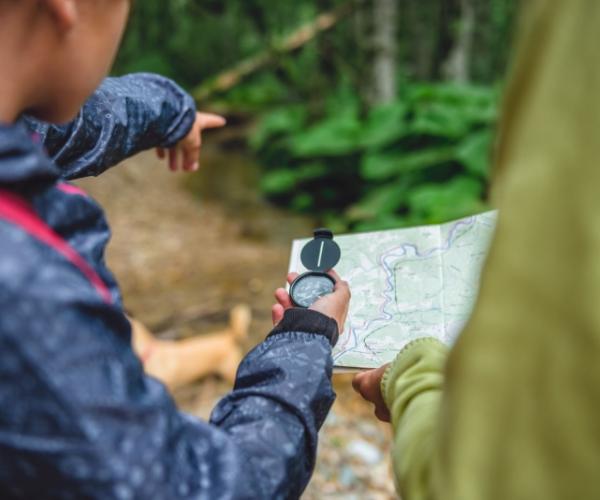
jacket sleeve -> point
(124, 116)
(81, 419)
(412, 390)
(519, 416)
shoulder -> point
(31, 268)
(48, 305)
(22, 255)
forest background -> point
(366, 114)
(355, 114)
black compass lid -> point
(321, 253)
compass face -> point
(320, 254)
(309, 287)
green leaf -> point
(337, 224)
(278, 181)
(287, 120)
(450, 111)
(284, 180)
(385, 125)
(474, 153)
(451, 93)
(452, 200)
(439, 119)
(383, 223)
(378, 166)
(379, 201)
(302, 202)
(343, 102)
(332, 137)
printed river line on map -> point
(407, 284)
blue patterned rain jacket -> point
(78, 417)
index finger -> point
(341, 286)
(334, 275)
(339, 282)
(210, 120)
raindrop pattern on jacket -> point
(79, 417)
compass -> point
(318, 256)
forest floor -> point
(186, 248)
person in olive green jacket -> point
(513, 410)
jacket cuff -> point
(186, 118)
(308, 321)
(403, 361)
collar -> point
(22, 158)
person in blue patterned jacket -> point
(79, 418)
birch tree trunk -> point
(363, 27)
(375, 25)
(385, 51)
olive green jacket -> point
(513, 412)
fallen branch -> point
(295, 40)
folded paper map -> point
(407, 284)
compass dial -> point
(309, 287)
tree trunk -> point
(363, 28)
(423, 26)
(458, 64)
(385, 51)
(377, 42)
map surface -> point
(407, 284)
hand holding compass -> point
(318, 256)
(323, 292)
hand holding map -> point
(407, 284)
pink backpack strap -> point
(65, 187)
(18, 211)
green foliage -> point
(422, 159)
(256, 94)
(280, 122)
(382, 166)
(193, 39)
(283, 180)
(473, 153)
(334, 136)
(384, 125)
(450, 200)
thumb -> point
(277, 312)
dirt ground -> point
(188, 247)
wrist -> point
(405, 360)
(184, 114)
(308, 321)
